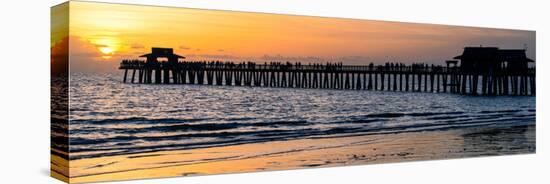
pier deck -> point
(388, 77)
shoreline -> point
(309, 153)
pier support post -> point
(140, 76)
(407, 81)
(432, 82)
(445, 81)
(158, 75)
(394, 81)
(426, 82)
(438, 84)
(400, 81)
(125, 74)
(419, 89)
(166, 76)
(464, 82)
(533, 85)
(382, 81)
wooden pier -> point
(388, 77)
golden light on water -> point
(106, 57)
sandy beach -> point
(308, 153)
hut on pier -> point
(515, 60)
(162, 69)
(493, 59)
(167, 53)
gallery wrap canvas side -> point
(59, 105)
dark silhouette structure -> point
(493, 59)
(502, 72)
(515, 60)
(152, 64)
(162, 53)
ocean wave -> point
(231, 132)
(110, 118)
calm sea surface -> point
(112, 118)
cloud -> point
(60, 56)
(85, 57)
(220, 50)
(137, 46)
(100, 45)
(212, 56)
(184, 47)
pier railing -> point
(417, 77)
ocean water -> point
(108, 117)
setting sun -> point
(106, 50)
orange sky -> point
(102, 34)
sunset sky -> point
(102, 34)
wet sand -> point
(308, 153)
